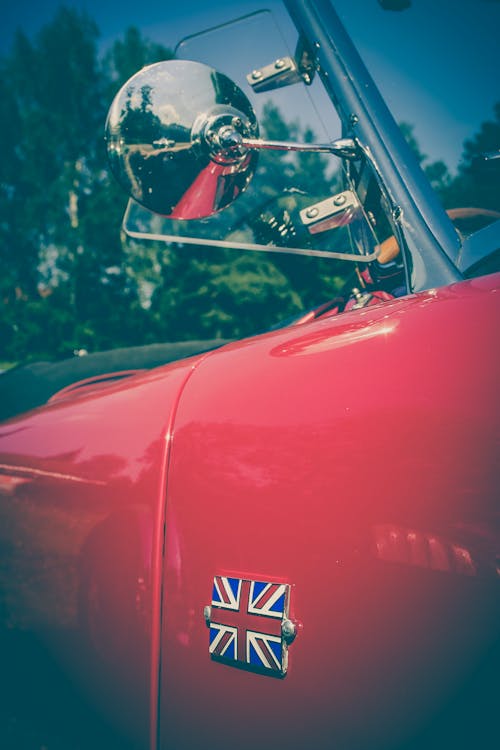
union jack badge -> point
(249, 625)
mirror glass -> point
(162, 140)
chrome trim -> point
(350, 257)
(345, 148)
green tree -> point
(478, 181)
(476, 185)
(128, 55)
(60, 212)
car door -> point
(348, 466)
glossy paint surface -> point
(354, 458)
(82, 489)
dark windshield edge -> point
(418, 211)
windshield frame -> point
(422, 225)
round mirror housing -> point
(174, 134)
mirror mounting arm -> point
(345, 148)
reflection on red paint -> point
(424, 550)
(9, 483)
(214, 188)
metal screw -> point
(207, 613)
(397, 212)
(228, 137)
(256, 75)
(312, 212)
(279, 64)
(288, 630)
(353, 119)
(340, 200)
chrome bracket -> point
(282, 72)
(336, 211)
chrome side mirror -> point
(182, 139)
(169, 136)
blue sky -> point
(160, 20)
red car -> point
(291, 541)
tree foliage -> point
(64, 286)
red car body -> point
(352, 459)
(372, 493)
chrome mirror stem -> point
(345, 148)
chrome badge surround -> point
(249, 624)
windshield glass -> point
(436, 65)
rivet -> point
(256, 75)
(279, 64)
(340, 200)
(312, 212)
(353, 119)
